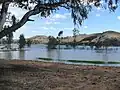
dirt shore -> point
(34, 75)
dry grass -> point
(33, 75)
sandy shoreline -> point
(35, 75)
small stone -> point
(93, 83)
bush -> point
(22, 41)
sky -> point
(99, 20)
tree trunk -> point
(3, 14)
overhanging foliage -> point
(79, 10)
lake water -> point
(39, 50)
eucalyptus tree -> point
(59, 37)
(79, 10)
(21, 41)
(75, 34)
(52, 42)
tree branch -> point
(36, 10)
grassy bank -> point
(47, 59)
(83, 61)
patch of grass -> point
(93, 62)
(113, 62)
(82, 61)
(48, 59)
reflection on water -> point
(105, 56)
(58, 54)
(13, 55)
(8, 55)
(22, 54)
(55, 54)
(51, 53)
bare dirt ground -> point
(33, 75)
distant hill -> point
(82, 38)
(70, 39)
(41, 39)
(105, 38)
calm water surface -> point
(39, 50)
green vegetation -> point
(52, 42)
(22, 41)
(29, 42)
(59, 38)
(47, 59)
(113, 62)
(93, 62)
(83, 61)
(75, 34)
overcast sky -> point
(99, 20)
